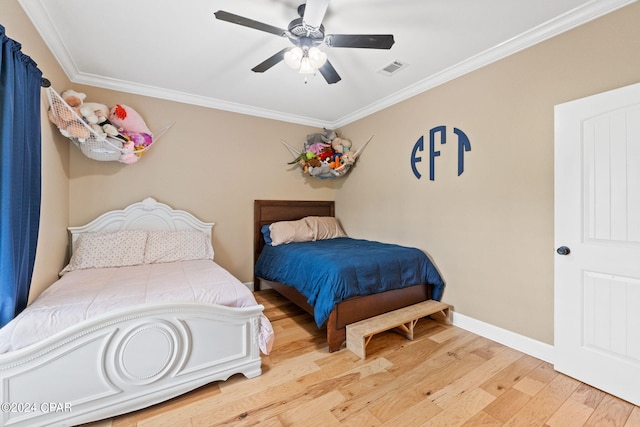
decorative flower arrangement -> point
(326, 155)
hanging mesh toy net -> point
(324, 162)
(91, 139)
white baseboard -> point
(519, 342)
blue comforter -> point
(330, 271)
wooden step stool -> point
(403, 320)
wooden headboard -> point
(269, 211)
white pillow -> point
(103, 249)
(325, 227)
(290, 231)
(179, 245)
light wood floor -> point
(446, 376)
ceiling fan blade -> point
(241, 20)
(329, 73)
(270, 62)
(314, 11)
(369, 41)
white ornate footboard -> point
(119, 363)
(131, 358)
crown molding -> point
(37, 13)
(548, 30)
(188, 98)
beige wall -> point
(490, 230)
(55, 155)
(211, 163)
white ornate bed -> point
(131, 357)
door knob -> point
(563, 250)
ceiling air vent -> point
(392, 68)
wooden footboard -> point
(355, 309)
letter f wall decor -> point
(439, 133)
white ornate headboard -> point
(148, 214)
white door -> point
(597, 221)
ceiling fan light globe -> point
(317, 58)
(293, 57)
(305, 66)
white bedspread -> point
(82, 294)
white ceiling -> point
(177, 50)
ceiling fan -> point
(307, 33)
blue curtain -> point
(20, 174)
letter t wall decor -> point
(463, 145)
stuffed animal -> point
(325, 137)
(94, 112)
(140, 141)
(336, 161)
(348, 158)
(340, 145)
(96, 115)
(125, 117)
(328, 135)
(322, 171)
(128, 156)
(326, 153)
(132, 125)
(73, 98)
(309, 163)
(317, 148)
(66, 118)
(108, 129)
(314, 162)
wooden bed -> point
(130, 358)
(348, 311)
